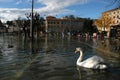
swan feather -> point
(95, 62)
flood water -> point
(53, 59)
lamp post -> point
(31, 26)
(31, 29)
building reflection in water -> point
(111, 46)
(46, 42)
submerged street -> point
(53, 58)
(59, 40)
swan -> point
(94, 62)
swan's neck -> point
(80, 57)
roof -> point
(112, 10)
(50, 17)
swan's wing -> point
(92, 61)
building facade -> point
(114, 15)
(63, 25)
(109, 22)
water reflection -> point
(52, 59)
(91, 74)
(109, 45)
(115, 45)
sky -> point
(12, 9)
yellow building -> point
(108, 20)
(114, 15)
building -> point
(109, 22)
(114, 15)
(63, 25)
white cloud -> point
(51, 7)
(58, 6)
(12, 13)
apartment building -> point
(63, 25)
(114, 15)
(110, 22)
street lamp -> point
(31, 26)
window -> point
(117, 21)
(114, 12)
(48, 22)
(113, 16)
(118, 12)
(57, 22)
(113, 22)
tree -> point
(37, 22)
(1, 24)
(70, 17)
(9, 23)
(20, 23)
(103, 24)
(106, 21)
(89, 27)
(98, 23)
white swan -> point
(94, 62)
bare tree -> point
(38, 21)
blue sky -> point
(12, 9)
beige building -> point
(114, 15)
(63, 25)
(109, 22)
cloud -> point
(12, 13)
(58, 6)
(51, 7)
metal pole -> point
(31, 27)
